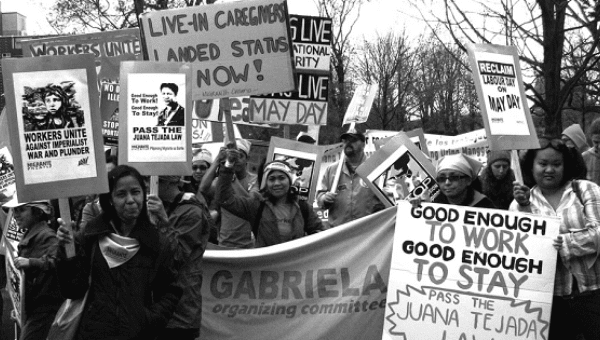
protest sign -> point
(330, 285)
(375, 139)
(360, 106)
(11, 236)
(331, 155)
(473, 144)
(399, 171)
(234, 49)
(311, 41)
(304, 160)
(109, 49)
(55, 126)
(470, 273)
(239, 106)
(155, 124)
(502, 100)
(7, 173)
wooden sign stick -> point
(65, 213)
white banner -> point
(330, 285)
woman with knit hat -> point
(278, 216)
(455, 175)
(496, 179)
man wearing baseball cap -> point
(234, 231)
(352, 198)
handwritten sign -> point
(235, 49)
(468, 273)
(155, 127)
(501, 94)
(311, 41)
(55, 126)
(239, 107)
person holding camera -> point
(278, 216)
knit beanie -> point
(501, 155)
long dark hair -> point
(109, 212)
(573, 163)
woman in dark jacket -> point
(496, 179)
(133, 290)
(279, 217)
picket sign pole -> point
(286, 131)
(516, 166)
(338, 172)
(65, 213)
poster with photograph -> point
(55, 126)
(155, 123)
(399, 171)
(109, 49)
(7, 174)
(235, 49)
(470, 273)
(304, 160)
(331, 154)
(502, 100)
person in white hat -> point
(233, 231)
(36, 257)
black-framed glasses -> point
(451, 178)
(199, 167)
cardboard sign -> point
(469, 273)
(499, 84)
(375, 139)
(234, 49)
(155, 125)
(7, 173)
(360, 106)
(331, 285)
(239, 107)
(109, 49)
(55, 126)
(11, 236)
(305, 161)
(311, 41)
(473, 144)
(399, 171)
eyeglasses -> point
(199, 167)
(451, 178)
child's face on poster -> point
(53, 103)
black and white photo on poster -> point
(52, 106)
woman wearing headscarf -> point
(278, 216)
(125, 263)
(496, 179)
(455, 174)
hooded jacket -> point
(576, 134)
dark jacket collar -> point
(32, 232)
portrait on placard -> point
(54, 126)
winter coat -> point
(131, 301)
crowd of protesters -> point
(138, 257)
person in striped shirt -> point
(556, 171)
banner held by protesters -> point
(470, 273)
(155, 127)
(55, 127)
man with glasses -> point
(352, 198)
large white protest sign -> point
(499, 84)
(55, 126)
(360, 106)
(155, 122)
(234, 49)
(311, 41)
(330, 285)
(469, 273)
(473, 144)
